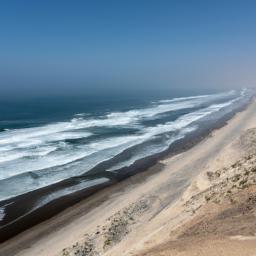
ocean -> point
(43, 143)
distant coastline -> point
(21, 215)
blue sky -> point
(82, 45)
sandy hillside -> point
(223, 216)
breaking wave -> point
(43, 155)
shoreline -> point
(12, 224)
(140, 210)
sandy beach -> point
(177, 207)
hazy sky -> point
(51, 46)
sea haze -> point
(40, 146)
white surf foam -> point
(91, 153)
(38, 134)
(67, 191)
(169, 105)
(15, 154)
(205, 97)
(154, 149)
(60, 158)
(22, 142)
(116, 145)
(2, 213)
(28, 137)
